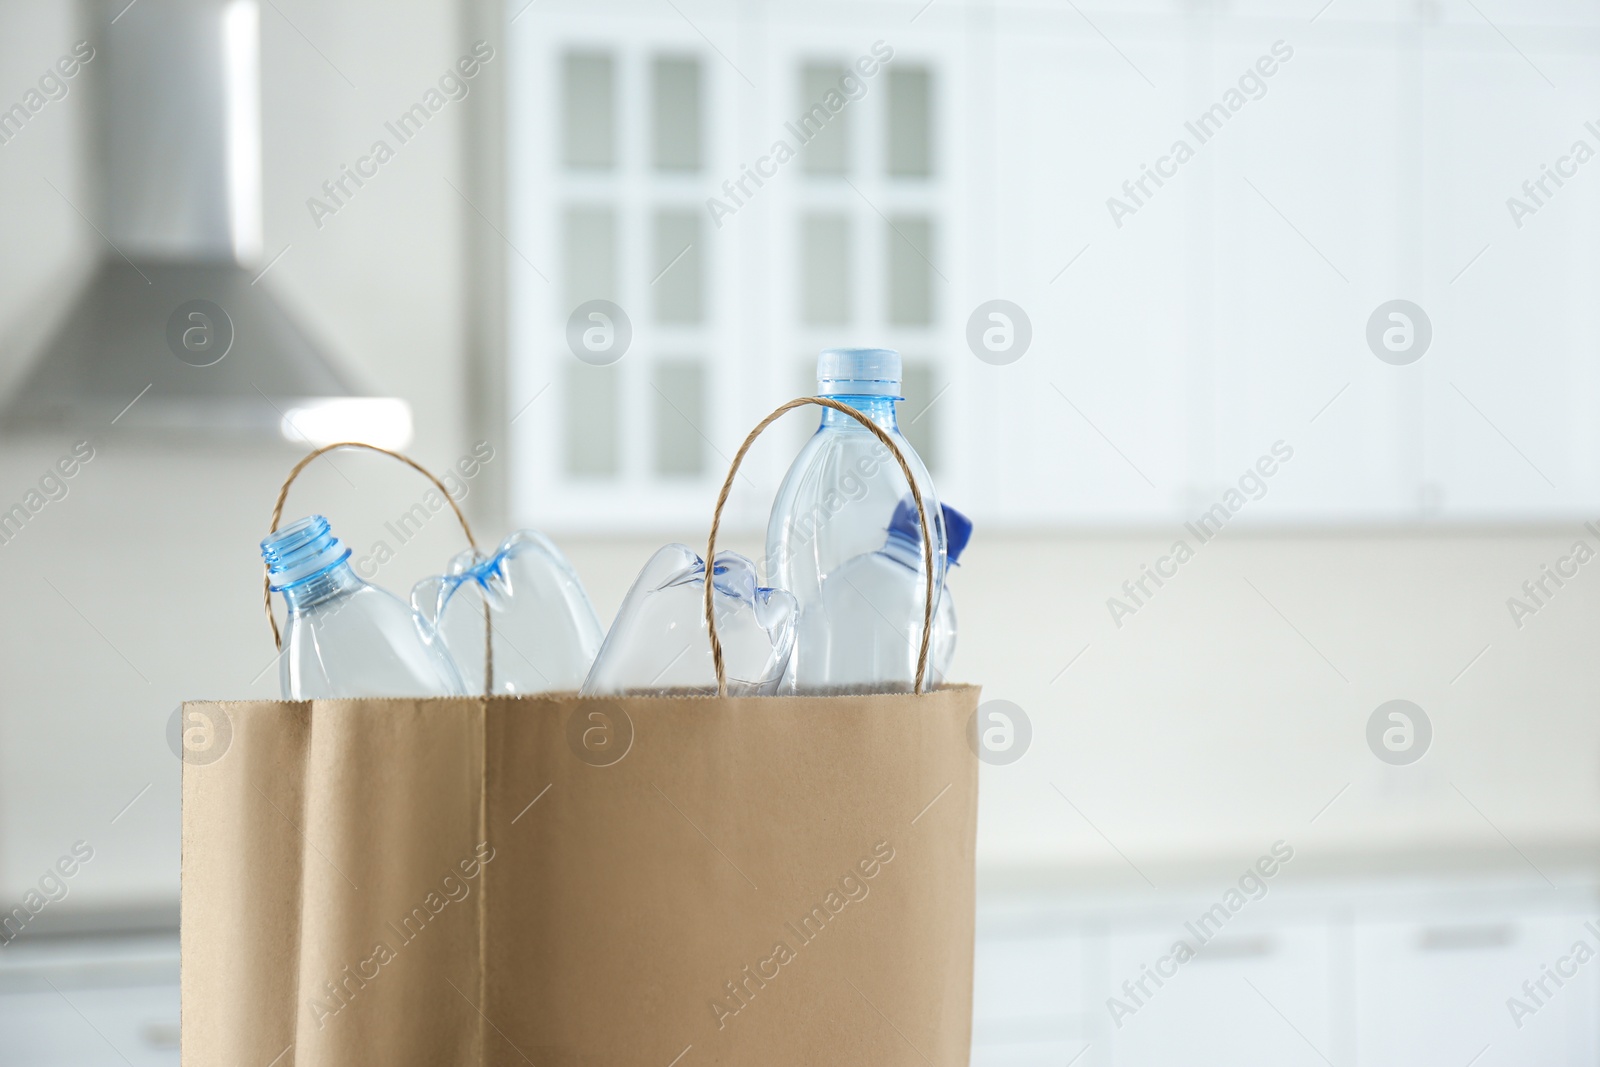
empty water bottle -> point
(840, 495)
(343, 637)
(867, 632)
(545, 632)
(942, 649)
(659, 644)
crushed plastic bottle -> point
(839, 497)
(867, 632)
(659, 644)
(545, 632)
(344, 637)
(942, 648)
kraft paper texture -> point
(559, 881)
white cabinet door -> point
(1028, 998)
(1437, 991)
(1092, 425)
(1257, 994)
(1509, 407)
(1305, 237)
(131, 1026)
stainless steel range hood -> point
(176, 319)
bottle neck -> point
(336, 581)
(880, 409)
(905, 551)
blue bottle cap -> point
(858, 372)
(957, 532)
(957, 527)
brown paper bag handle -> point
(466, 528)
(727, 487)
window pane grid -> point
(909, 143)
(677, 282)
(589, 110)
(679, 413)
(632, 147)
(590, 415)
(720, 312)
(676, 114)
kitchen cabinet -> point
(1437, 989)
(1380, 972)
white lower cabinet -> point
(1253, 994)
(135, 1026)
(1370, 973)
(1030, 997)
(1440, 991)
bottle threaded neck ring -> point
(300, 551)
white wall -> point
(1205, 727)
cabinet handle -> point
(1465, 938)
(1234, 948)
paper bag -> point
(565, 881)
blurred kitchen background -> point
(1445, 853)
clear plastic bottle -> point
(873, 610)
(545, 630)
(840, 495)
(659, 644)
(343, 637)
(942, 648)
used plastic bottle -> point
(872, 610)
(942, 649)
(838, 499)
(659, 644)
(545, 630)
(344, 637)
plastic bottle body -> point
(834, 505)
(659, 643)
(943, 647)
(866, 632)
(545, 631)
(342, 637)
